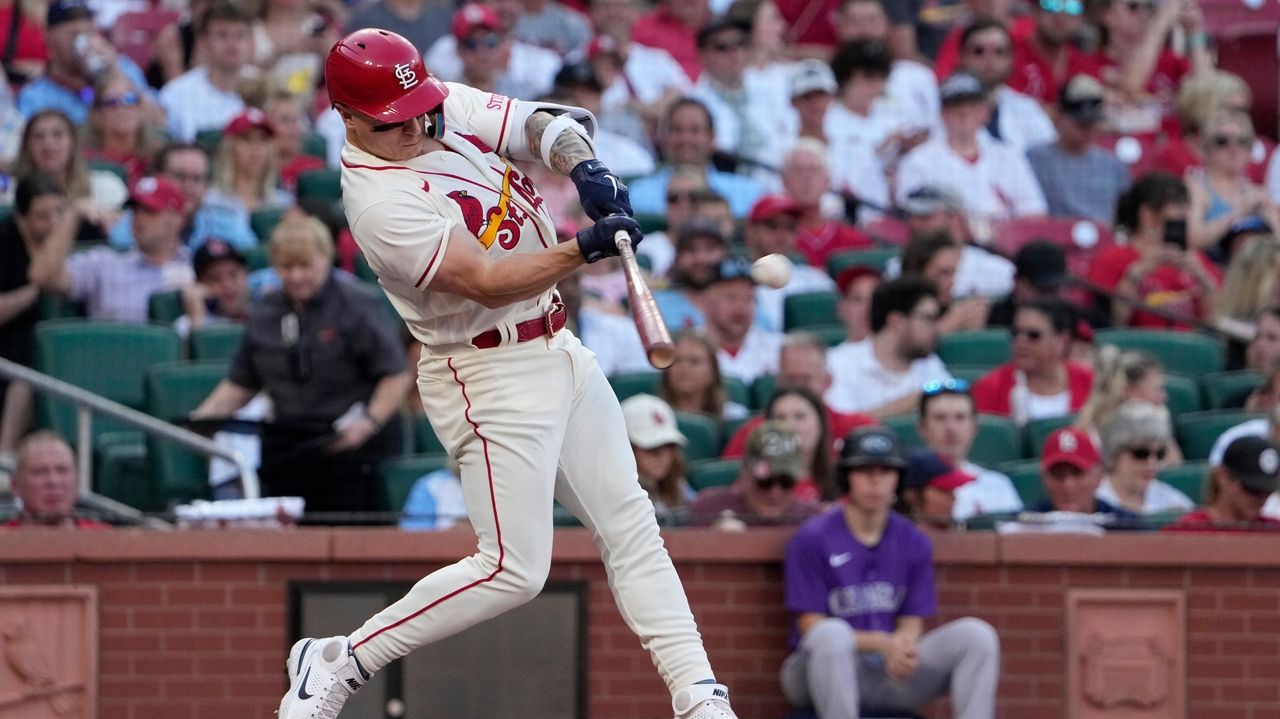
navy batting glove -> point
(601, 192)
(596, 242)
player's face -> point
(949, 425)
(873, 489)
(395, 143)
(1070, 488)
(46, 481)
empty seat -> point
(1188, 478)
(1184, 393)
(809, 309)
(976, 348)
(1197, 431)
(1188, 353)
(216, 342)
(165, 307)
(1038, 430)
(1225, 390)
(713, 473)
(263, 222)
(876, 258)
(626, 384)
(425, 440)
(173, 389)
(324, 185)
(1025, 476)
(702, 433)
(762, 390)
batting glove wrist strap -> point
(600, 191)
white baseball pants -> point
(529, 422)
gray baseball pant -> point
(826, 672)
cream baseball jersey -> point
(403, 214)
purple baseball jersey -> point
(828, 571)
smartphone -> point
(1175, 233)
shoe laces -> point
(335, 695)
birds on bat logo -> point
(481, 222)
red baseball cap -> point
(849, 275)
(1070, 446)
(157, 194)
(602, 45)
(472, 17)
(250, 119)
(771, 206)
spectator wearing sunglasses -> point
(481, 35)
(859, 584)
(1071, 473)
(764, 492)
(119, 129)
(1222, 193)
(1044, 60)
(743, 112)
(948, 425)
(1059, 166)
(1121, 377)
(1039, 382)
(1199, 97)
(1236, 490)
(1135, 445)
(986, 52)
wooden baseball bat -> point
(644, 310)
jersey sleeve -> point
(403, 240)
(921, 597)
(804, 575)
(498, 121)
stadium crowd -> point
(979, 200)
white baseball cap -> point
(651, 423)
(812, 76)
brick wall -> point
(193, 625)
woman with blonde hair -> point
(1249, 287)
(1121, 376)
(246, 171)
(1201, 95)
(51, 144)
(1222, 192)
(120, 129)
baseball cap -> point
(602, 45)
(1255, 462)
(250, 119)
(1081, 99)
(771, 206)
(772, 449)
(926, 467)
(733, 268)
(872, 447)
(1041, 263)
(699, 228)
(651, 423)
(1069, 445)
(578, 74)
(472, 17)
(61, 11)
(930, 199)
(157, 194)
(961, 87)
(214, 250)
(849, 275)
(719, 24)
(812, 75)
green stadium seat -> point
(257, 256)
(314, 144)
(1025, 475)
(762, 390)
(809, 309)
(425, 440)
(1184, 393)
(652, 222)
(324, 185)
(713, 473)
(1038, 430)
(832, 335)
(397, 476)
(165, 307)
(626, 384)
(736, 391)
(363, 270)
(56, 307)
(173, 389)
(114, 168)
(263, 222)
(106, 358)
(562, 517)
(967, 372)
(216, 342)
(731, 427)
(1187, 478)
(1184, 352)
(1196, 432)
(120, 471)
(208, 140)
(999, 439)
(976, 348)
(875, 258)
(703, 433)
(1223, 388)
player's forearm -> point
(498, 282)
(567, 149)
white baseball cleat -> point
(323, 674)
(703, 701)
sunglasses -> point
(1142, 454)
(488, 41)
(1221, 141)
(1031, 335)
(933, 388)
(784, 481)
(1135, 6)
(674, 197)
(127, 99)
(984, 50)
(1066, 7)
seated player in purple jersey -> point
(859, 579)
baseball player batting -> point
(465, 248)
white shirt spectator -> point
(843, 126)
(770, 302)
(647, 74)
(990, 492)
(857, 169)
(624, 156)
(435, 502)
(979, 273)
(860, 383)
(614, 340)
(912, 88)
(192, 104)
(1021, 120)
(998, 185)
(529, 66)
(1159, 497)
(1273, 178)
(757, 356)
(730, 130)
(661, 251)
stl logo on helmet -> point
(406, 75)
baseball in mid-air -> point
(772, 271)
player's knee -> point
(978, 636)
(829, 637)
(525, 581)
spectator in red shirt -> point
(1020, 28)
(1236, 490)
(29, 51)
(46, 482)
(1040, 382)
(1135, 60)
(674, 26)
(1045, 59)
(1163, 274)
(805, 179)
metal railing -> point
(87, 403)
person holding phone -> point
(1155, 265)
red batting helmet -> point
(381, 74)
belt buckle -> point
(548, 319)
